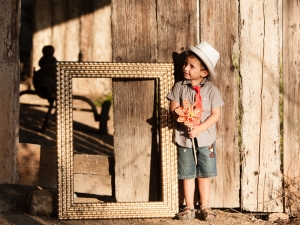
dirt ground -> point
(31, 119)
(224, 218)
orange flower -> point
(188, 115)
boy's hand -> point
(212, 119)
(195, 131)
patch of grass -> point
(292, 195)
(99, 101)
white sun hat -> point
(208, 54)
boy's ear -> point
(206, 72)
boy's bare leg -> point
(204, 190)
(188, 191)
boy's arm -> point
(211, 120)
(173, 106)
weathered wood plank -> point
(59, 8)
(28, 160)
(134, 31)
(291, 97)
(92, 184)
(86, 37)
(42, 30)
(72, 31)
(10, 13)
(72, 35)
(91, 164)
(91, 174)
(134, 40)
(37, 165)
(214, 17)
(101, 35)
(260, 125)
(133, 139)
(47, 177)
(177, 27)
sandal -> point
(186, 214)
(208, 215)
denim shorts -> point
(207, 164)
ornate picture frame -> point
(67, 208)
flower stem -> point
(195, 155)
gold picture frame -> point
(67, 208)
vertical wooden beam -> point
(291, 86)
(101, 31)
(9, 89)
(260, 125)
(72, 37)
(42, 29)
(149, 33)
(176, 28)
(72, 31)
(59, 9)
(134, 31)
(219, 27)
(134, 40)
(86, 24)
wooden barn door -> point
(143, 31)
(146, 32)
(248, 35)
(134, 40)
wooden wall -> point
(258, 41)
(9, 89)
(250, 37)
(260, 125)
(291, 99)
(143, 31)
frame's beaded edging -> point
(67, 209)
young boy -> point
(198, 72)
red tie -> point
(198, 101)
(198, 98)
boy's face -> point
(193, 70)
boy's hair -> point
(190, 53)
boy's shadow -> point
(178, 60)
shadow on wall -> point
(178, 60)
(62, 12)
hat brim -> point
(198, 52)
